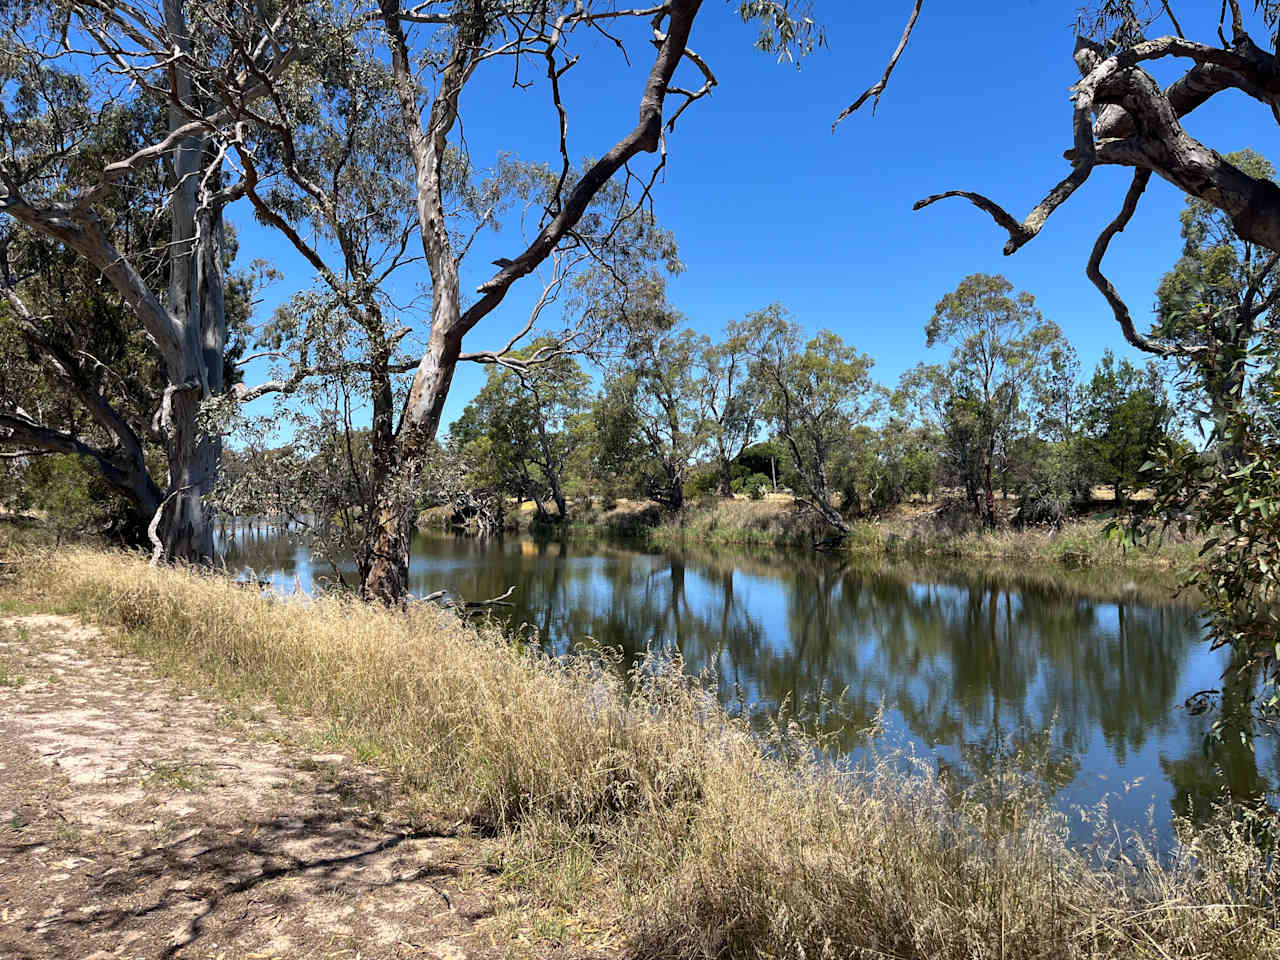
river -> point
(1086, 685)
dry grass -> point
(946, 532)
(648, 809)
(772, 521)
(1078, 543)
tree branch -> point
(877, 88)
(644, 137)
(1094, 270)
(16, 427)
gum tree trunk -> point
(726, 477)
(186, 325)
(388, 575)
(427, 135)
(988, 492)
(197, 311)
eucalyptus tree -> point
(492, 435)
(666, 423)
(1213, 308)
(416, 65)
(112, 176)
(925, 397)
(732, 400)
(533, 422)
(1000, 345)
(614, 442)
(1056, 394)
(559, 394)
(467, 36)
(817, 392)
(1128, 414)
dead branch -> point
(467, 607)
(1140, 180)
(878, 87)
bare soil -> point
(139, 821)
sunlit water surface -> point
(1086, 682)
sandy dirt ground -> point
(139, 822)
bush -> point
(703, 481)
(1051, 482)
(752, 484)
(1043, 507)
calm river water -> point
(966, 665)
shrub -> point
(752, 484)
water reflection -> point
(969, 667)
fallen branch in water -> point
(470, 606)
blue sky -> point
(767, 204)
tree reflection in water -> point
(982, 669)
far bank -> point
(941, 531)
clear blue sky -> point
(768, 205)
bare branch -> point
(709, 83)
(300, 374)
(644, 137)
(877, 88)
(1019, 233)
(17, 427)
(550, 293)
(1083, 159)
(1140, 180)
(1177, 28)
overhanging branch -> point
(873, 92)
(1136, 188)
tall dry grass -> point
(925, 534)
(1082, 543)
(773, 521)
(646, 803)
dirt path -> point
(136, 822)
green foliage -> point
(1006, 362)
(905, 464)
(72, 500)
(1128, 415)
(1229, 493)
(764, 458)
(615, 443)
(732, 398)
(653, 418)
(786, 27)
(1238, 510)
(1217, 299)
(1051, 478)
(522, 429)
(817, 392)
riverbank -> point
(649, 816)
(913, 532)
(141, 820)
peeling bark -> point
(187, 324)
